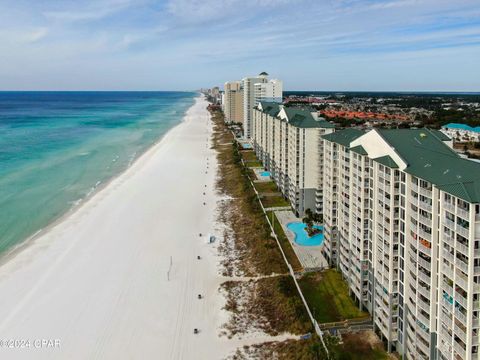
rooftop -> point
(344, 137)
(299, 117)
(461, 127)
(429, 158)
(303, 118)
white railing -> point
(463, 213)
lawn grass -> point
(266, 187)
(249, 155)
(285, 243)
(328, 298)
(253, 163)
(274, 201)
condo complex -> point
(401, 222)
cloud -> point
(91, 11)
(199, 11)
(24, 36)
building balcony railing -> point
(459, 350)
(449, 240)
(425, 264)
(461, 280)
(458, 331)
(461, 248)
(448, 289)
(425, 278)
(423, 205)
(462, 231)
(447, 255)
(463, 213)
(447, 271)
(449, 207)
(448, 223)
(425, 349)
(424, 219)
(424, 234)
(422, 305)
(460, 316)
(424, 291)
(461, 300)
(462, 265)
(423, 319)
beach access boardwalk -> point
(310, 257)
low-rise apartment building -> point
(402, 223)
(289, 143)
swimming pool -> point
(247, 146)
(301, 236)
(265, 173)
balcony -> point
(458, 331)
(448, 223)
(460, 316)
(459, 349)
(425, 264)
(423, 319)
(448, 256)
(424, 206)
(425, 349)
(461, 300)
(425, 278)
(461, 280)
(423, 305)
(424, 291)
(462, 265)
(462, 231)
(450, 207)
(461, 248)
(463, 213)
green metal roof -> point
(359, 150)
(344, 137)
(429, 158)
(270, 108)
(387, 161)
(303, 118)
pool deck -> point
(258, 173)
(310, 257)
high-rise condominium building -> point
(402, 224)
(233, 102)
(258, 89)
(289, 143)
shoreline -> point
(120, 277)
(9, 254)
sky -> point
(370, 45)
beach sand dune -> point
(95, 286)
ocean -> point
(57, 148)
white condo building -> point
(256, 89)
(402, 224)
(289, 143)
(233, 102)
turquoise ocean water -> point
(57, 148)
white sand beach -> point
(96, 285)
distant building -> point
(233, 102)
(288, 141)
(256, 89)
(461, 132)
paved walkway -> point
(310, 256)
